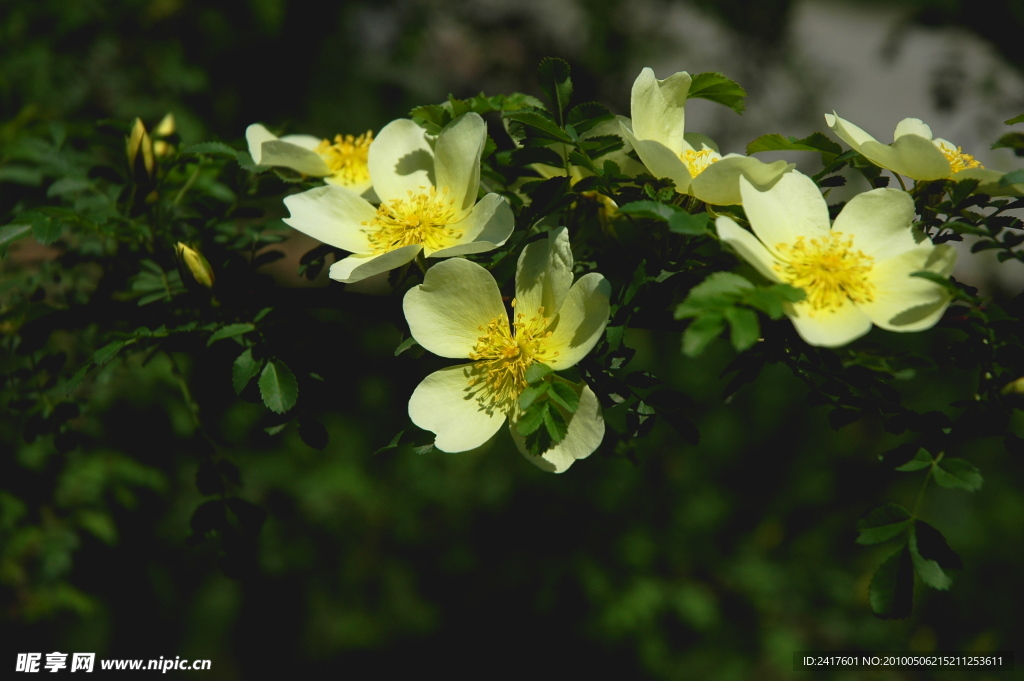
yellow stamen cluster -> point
(422, 218)
(958, 160)
(698, 161)
(502, 356)
(346, 157)
(829, 270)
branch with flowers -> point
(531, 241)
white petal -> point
(580, 321)
(791, 208)
(847, 131)
(358, 267)
(912, 126)
(719, 183)
(912, 153)
(544, 274)
(457, 158)
(747, 247)
(255, 135)
(829, 329)
(657, 108)
(333, 215)
(287, 155)
(401, 160)
(659, 160)
(486, 227)
(445, 404)
(308, 142)
(446, 312)
(879, 221)
(906, 303)
(585, 433)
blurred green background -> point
(651, 560)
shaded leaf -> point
(278, 387)
(892, 588)
(958, 474)
(882, 524)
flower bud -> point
(140, 152)
(1014, 387)
(193, 266)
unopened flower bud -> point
(193, 266)
(140, 152)
(1014, 387)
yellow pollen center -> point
(502, 355)
(829, 270)
(346, 157)
(958, 160)
(422, 218)
(698, 161)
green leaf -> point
(882, 524)
(544, 128)
(278, 387)
(556, 425)
(530, 420)
(930, 572)
(564, 395)
(1015, 177)
(210, 148)
(244, 370)
(1015, 120)
(776, 142)
(531, 394)
(553, 78)
(718, 88)
(744, 327)
(11, 233)
(650, 209)
(405, 345)
(685, 223)
(229, 331)
(921, 460)
(719, 284)
(702, 331)
(892, 588)
(1011, 140)
(536, 373)
(391, 445)
(958, 474)
(45, 229)
(108, 352)
(932, 546)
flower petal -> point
(580, 321)
(401, 160)
(457, 158)
(879, 221)
(585, 433)
(486, 227)
(719, 183)
(906, 303)
(747, 246)
(331, 214)
(446, 312)
(912, 126)
(544, 274)
(990, 182)
(791, 208)
(829, 329)
(911, 154)
(361, 266)
(659, 159)
(658, 108)
(255, 135)
(445, 404)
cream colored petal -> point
(308, 142)
(585, 433)
(487, 226)
(358, 267)
(657, 108)
(364, 189)
(457, 158)
(829, 329)
(255, 135)
(912, 156)
(579, 323)
(793, 207)
(447, 312)
(401, 160)
(905, 303)
(544, 274)
(847, 131)
(879, 222)
(659, 160)
(912, 126)
(333, 215)
(445, 404)
(747, 247)
(990, 182)
(719, 184)
(287, 155)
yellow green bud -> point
(194, 264)
(140, 152)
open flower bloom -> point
(427, 189)
(342, 161)
(915, 154)
(854, 274)
(458, 312)
(658, 110)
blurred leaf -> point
(278, 387)
(11, 233)
(958, 474)
(744, 327)
(210, 148)
(229, 331)
(929, 570)
(702, 331)
(882, 524)
(892, 588)
(313, 433)
(244, 370)
(922, 459)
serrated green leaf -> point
(892, 588)
(721, 283)
(1011, 140)
(229, 331)
(278, 387)
(701, 332)
(814, 142)
(744, 329)
(536, 373)
(932, 546)
(531, 394)
(930, 572)
(564, 395)
(685, 223)
(244, 369)
(882, 524)
(922, 459)
(532, 419)
(543, 127)
(958, 474)
(649, 209)
(108, 352)
(717, 88)
(556, 425)
(553, 78)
